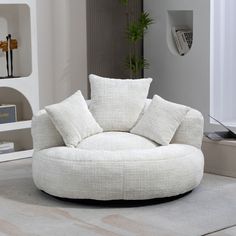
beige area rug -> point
(24, 210)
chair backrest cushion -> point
(117, 103)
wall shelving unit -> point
(18, 18)
(16, 126)
(16, 155)
(177, 18)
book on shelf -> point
(6, 147)
(183, 37)
(8, 113)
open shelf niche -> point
(23, 144)
(177, 18)
(23, 108)
(15, 20)
(18, 18)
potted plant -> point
(135, 31)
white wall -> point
(185, 79)
(62, 46)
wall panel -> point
(107, 43)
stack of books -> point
(6, 147)
(183, 37)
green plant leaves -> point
(135, 32)
(136, 64)
(145, 20)
(124, 2)
(137, 29)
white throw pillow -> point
(73, 120)
(117, 103)
(161, 120)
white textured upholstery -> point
(117, 103)
(161, 120)
(190, 130)
(45, 135)
(73, 120)
(114, 141)
(116, 165)
(127, 174)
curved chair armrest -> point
(191, 130)
(44, 133)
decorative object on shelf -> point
(8, 46)
(6, 147)
(135, 31)
(12, 45)
(183, 37)
(8, 114)
(7, 57)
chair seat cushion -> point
(114, 141)
(138, 169)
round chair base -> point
(100, 170)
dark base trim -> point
(122, 203)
